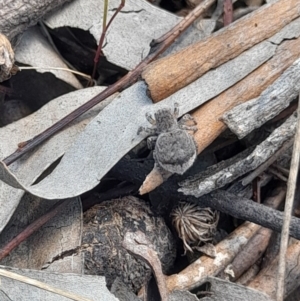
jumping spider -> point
(174, 148)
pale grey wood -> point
(226, 172)
(16, 16)
(250, 115)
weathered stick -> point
(16, 16)
(202, 183)
(248, 116)
(208, 116)
(168, 75)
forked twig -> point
(291, 188)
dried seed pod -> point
(104, 228)
(194, 225)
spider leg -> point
(189, 127)
(176, 110)
(185, 118)
(148, 131)
(151, 142)
(150, 119)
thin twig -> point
(228, 12)
(29, 230)
(130, 78)
(56, 68)
(104, 30)
(291, 188)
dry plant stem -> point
(42, 285)
(197, 59)
(266, 280)
(59, 206)
(208, 115)
(247, 180)
(138, 244)
(291, 188)
(104, 30)
(228, 12)
(120, 85)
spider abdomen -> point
(175, 151)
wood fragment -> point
(201, 184)
(255, 173)
(16, 16)
(250, 254)
(224, 45)
(290, 196)
(251, 115)
(266, 280)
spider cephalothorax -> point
(174, 148)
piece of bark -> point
(201, 184)
(266, 280)
(248, 116)
(250, 177)
(192, 62)
(208, 115)
(16, 16)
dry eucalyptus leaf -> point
(37, 285)
(35, 50)
(114, 131)
(6, 58)
(30, 167)
(131, 32)
(57, 236)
